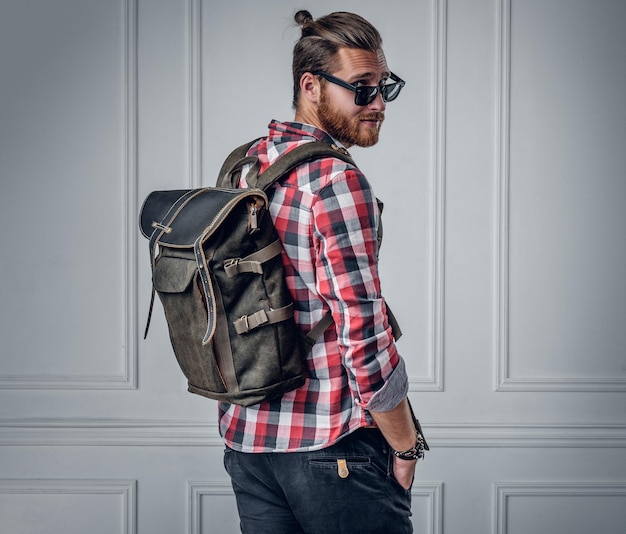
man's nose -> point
(378, 104)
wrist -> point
(414, 453)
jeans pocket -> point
(341, 463)
(348, 466)
(393, 478)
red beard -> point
(347, 130)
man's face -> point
(338, 114)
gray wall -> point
(503, 171)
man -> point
(324, 458)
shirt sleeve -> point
(345, 219)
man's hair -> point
(321, 39)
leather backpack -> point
(217, 269)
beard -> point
(348, 130)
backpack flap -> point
(156, 207)
(180, 220)
(180, 217)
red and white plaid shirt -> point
(326, 216)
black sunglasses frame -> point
(366, 94)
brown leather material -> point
(253, 263)
(262, 317)
(202, 303)
(222, 348)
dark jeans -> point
(311, 492)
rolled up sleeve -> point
(345, 219)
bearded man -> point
(338, 454)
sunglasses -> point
(365, 94)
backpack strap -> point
(316, 332)
(303, 153)
(284, 164)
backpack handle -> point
(230, 177)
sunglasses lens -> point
(391, 91)
(365, 95)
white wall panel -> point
(575, 508)
(427, 507)
(67, 152)
(562, 300)
(68, 506)
(212, 508)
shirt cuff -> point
(391, 394)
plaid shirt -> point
(327, 217)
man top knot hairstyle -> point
(321, 39)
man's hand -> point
(404, 471)
(399, 430)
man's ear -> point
(310, 87)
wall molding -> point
(437, 254)
(526, 435)
(503, 381)
(108, 432)
(196, 491)
(126, 489)
(434, 380)
(501, 328)
(431, 491)
(194, 104)
(128, 378)
(131, 36)
(157, 433)
(503, 492)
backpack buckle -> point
(245, 323)
(162, 227)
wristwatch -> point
(417, 451)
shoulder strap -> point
(284, 164)
(301, 154)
